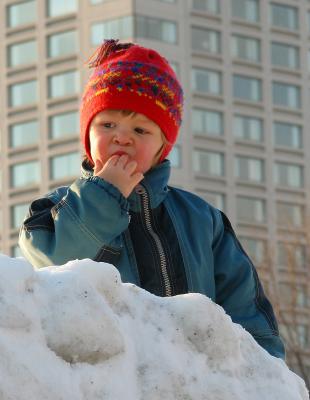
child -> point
(121, 210)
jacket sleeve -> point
(86, 220)
(239, 291)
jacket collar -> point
(155, 182)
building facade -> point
(244, 145)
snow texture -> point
(77, 332)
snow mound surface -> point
(77, 332)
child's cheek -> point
(101, 149)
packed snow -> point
(77, 332)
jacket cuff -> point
(112, 190)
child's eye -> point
(141, 131)
(107, 124)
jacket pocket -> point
(108, 254)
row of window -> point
(59, 85)
(288, 255)
(244, 47)
(249, 169)
(296, 295)
(61, 167)
(25, 12)
(205, 162)
(247, 48)
(281, 15)
(203, 80)
(204, 123)
(60, 126)
(254, 210)
(58, 45)
(248, 128)
(246, 88)
(298, 334)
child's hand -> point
(120, 172)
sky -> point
(77, 332)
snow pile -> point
(77, 332)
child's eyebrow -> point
(145, 121)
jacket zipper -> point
(147, 217)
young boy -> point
(121, 210)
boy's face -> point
(114, 132)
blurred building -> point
(244, 144)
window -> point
(176, 67)
(56, 8)
(286, 295)
(285, 95)
(248, 128)
(64, 125)
(156, 28)
(284, 55)
(255, 248)
(23, 94)
(22, 53)
(65, 166)
(24, 133)
(289, 175)
(18, 213)
(246, 9)
(64, 84)
(287, 135)
(292, 256)
(21, 14)
(251, 210)
(293, 295)
(93, 2)
(283, 16)
(302, 336)
(290, 215)
(301, 296)
(247, 88)
(214, 198)
(206, 40)
(246, 48)
(207, 122)
(121, 28)
(208, 162)
(206, 81)
(62, 44)
(210, 6)
(175, 156)
(249, 169)
(23, 174)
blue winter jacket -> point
(90, 219)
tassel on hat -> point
(102, 53)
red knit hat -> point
(131, 77)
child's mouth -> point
(120, 153)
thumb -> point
(137, 177)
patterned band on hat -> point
(145, 80)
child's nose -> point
(122, 136)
